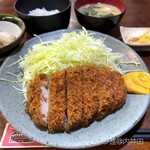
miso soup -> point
(99, 10)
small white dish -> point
(135, 36)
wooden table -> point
(137, 15)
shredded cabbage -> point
(71, 50)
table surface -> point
(137, 15)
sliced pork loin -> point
(73, 98)
(37, 99)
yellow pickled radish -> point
(137, 82)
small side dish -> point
(144, 38)
(135, 36)
(12, 30)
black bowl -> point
(103, 24)
(41, 24)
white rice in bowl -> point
(43, 12)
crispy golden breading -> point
(74, 98)
(33, 105)
(90, 98)
(77, 97)
(57, 104)
(105, 92)
(119, 89)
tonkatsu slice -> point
(37, 99)
(74, 98)
(57, 102)
(105, 92)
(119, 89)
(90, 98)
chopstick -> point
(143, 134)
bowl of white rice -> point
(42, 16)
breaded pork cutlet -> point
(119, 89)
(89, 94)
(37, 99)
(57, 103)
(74, 98)
(105, 92)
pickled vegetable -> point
(144, 38)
